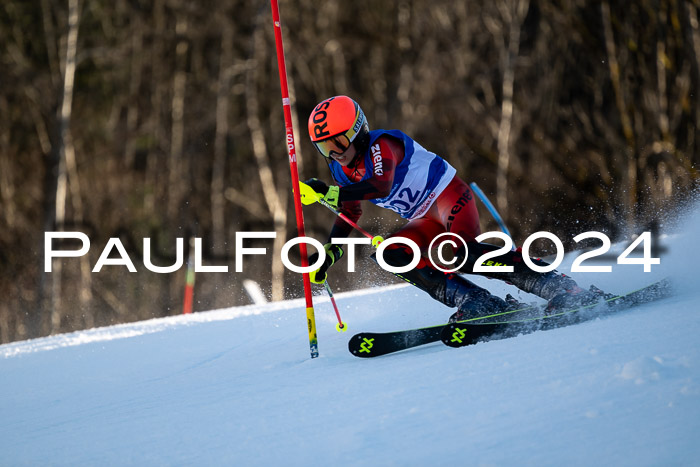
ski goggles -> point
(334, 145)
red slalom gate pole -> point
(291, 150)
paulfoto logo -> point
(485, 263)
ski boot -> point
(449, 289)
(576, 297)
(484, 306)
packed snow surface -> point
(237, 386)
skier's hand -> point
(328, 193)
(333, 254)
(317, 185)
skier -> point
(389, 169)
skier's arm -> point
(341, 229)
(385, 158)
(334, 252)
(387, 154)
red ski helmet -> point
(336, 123)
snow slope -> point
(237, 387)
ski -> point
(497, 326)
(374, 344)
(465, 333)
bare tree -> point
(507, 34)
(274, 198)
(630, 173)
(178, 169)
(218, 200)
(135, 79)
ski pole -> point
(492, 209)
(341, 326)
(309, 196)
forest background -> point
(163, 119)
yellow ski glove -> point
(313, 190)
